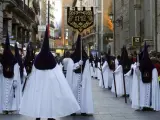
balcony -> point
(25, 11)
(21, 9)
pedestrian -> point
(47, 93)
(79, 78)
(11, 82)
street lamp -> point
(118, 22)
(111, 15)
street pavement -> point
(106, 106)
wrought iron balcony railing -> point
(28, 11)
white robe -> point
(141, 96)
(1, 73)
(116, 63)
(94, 70)
(91, 70)
(105, 70)
(119, 81)
(129, 80)
(81, 89)
(9, 102)
(65, 63)
(48, 95)
(110, 78)
(99, 75)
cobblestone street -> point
(107, 107)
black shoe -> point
(74, 114)
(38, 118)
(84, 114)
(147, 109)
(51, 119)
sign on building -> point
(136, 41)
(41, 28)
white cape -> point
(48, 95)
(85, 90)
(9, 102)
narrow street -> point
(107, 107)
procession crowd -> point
(43, 86)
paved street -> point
(107, 107)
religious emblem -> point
(126, 67)
(8, 69)
(146, 74)
(80, 19)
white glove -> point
(80, 62)
(15, 83)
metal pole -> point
(48, 10)
(96, 24)
(137, 30)
(114, 26)
(101, 25)
(155, 42)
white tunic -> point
(48, 95)
(143, 95)
(65, 63)
(119, 81)
(105, 70)
(1, 73)
(81, 89)
(99, 74)
(110, 78)
(91, 70)
(9, 101)
(129, 80)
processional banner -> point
(80, 19)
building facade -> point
(134, 18)
(20, 19)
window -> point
(5, 27)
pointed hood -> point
(29, 58)
(19, 60)
(76, 56)
(146, 66)
(8, 60)
(91, 57)
(125, 61)
(45, 60)
(30, 52)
